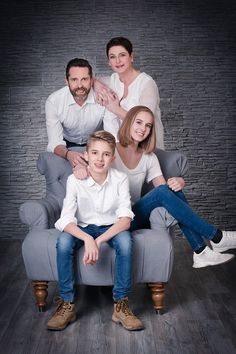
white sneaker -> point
(227, 242)
(209, 257)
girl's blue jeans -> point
(67, 246)
(193, 227)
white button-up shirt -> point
(86, 202)
(65, 118)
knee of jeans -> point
(162, 188)
(124, 242)
(65, 242)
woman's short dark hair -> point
(81, 63)
(122, 41)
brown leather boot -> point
(64, 315)
(122, 314)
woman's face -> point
(119, 59)
(141, 127)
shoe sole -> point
(61, 328)
(223, 249)
(116, 320)
(201, 265)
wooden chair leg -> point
(40, 293)
(158, 296)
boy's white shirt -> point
(86, 202)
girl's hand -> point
(176, 183)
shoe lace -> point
(62, 306)
(122, 305)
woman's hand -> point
(109, 99)
(176, 183)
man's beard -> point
(81, 93)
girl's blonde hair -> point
(124, 136)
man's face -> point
(79, 82)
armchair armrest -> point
(40, 214)
(173, 163)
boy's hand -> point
(176, 183)
(81, 172)
(91, 251)
(98, 242)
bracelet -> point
(66, 154)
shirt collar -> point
(92, 183)
(90, 98)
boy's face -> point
(99, 157)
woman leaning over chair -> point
(131, 86)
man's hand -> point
(81, 172)
(75, 158)
(91, 251)
(176, 183)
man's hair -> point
(122, 41)
(102, 135)
(81, 63)
(124, 136)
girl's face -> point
(141, 127)
(119, 59)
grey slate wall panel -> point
(187, 46)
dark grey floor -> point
(200, 315)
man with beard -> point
(72, 113)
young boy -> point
(96, 210)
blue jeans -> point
(68, 244)
(193, 227)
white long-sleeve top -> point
(142, 91)
(86, 202)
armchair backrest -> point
(56, 170)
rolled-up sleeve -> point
(69, 206)
(123, 202)
(54, 127)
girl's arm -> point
(157, 181)
(174, 183)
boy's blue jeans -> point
(193, 227)
(67, 246)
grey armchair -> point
(153, 248)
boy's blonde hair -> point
(125, 139)
(102, 135)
